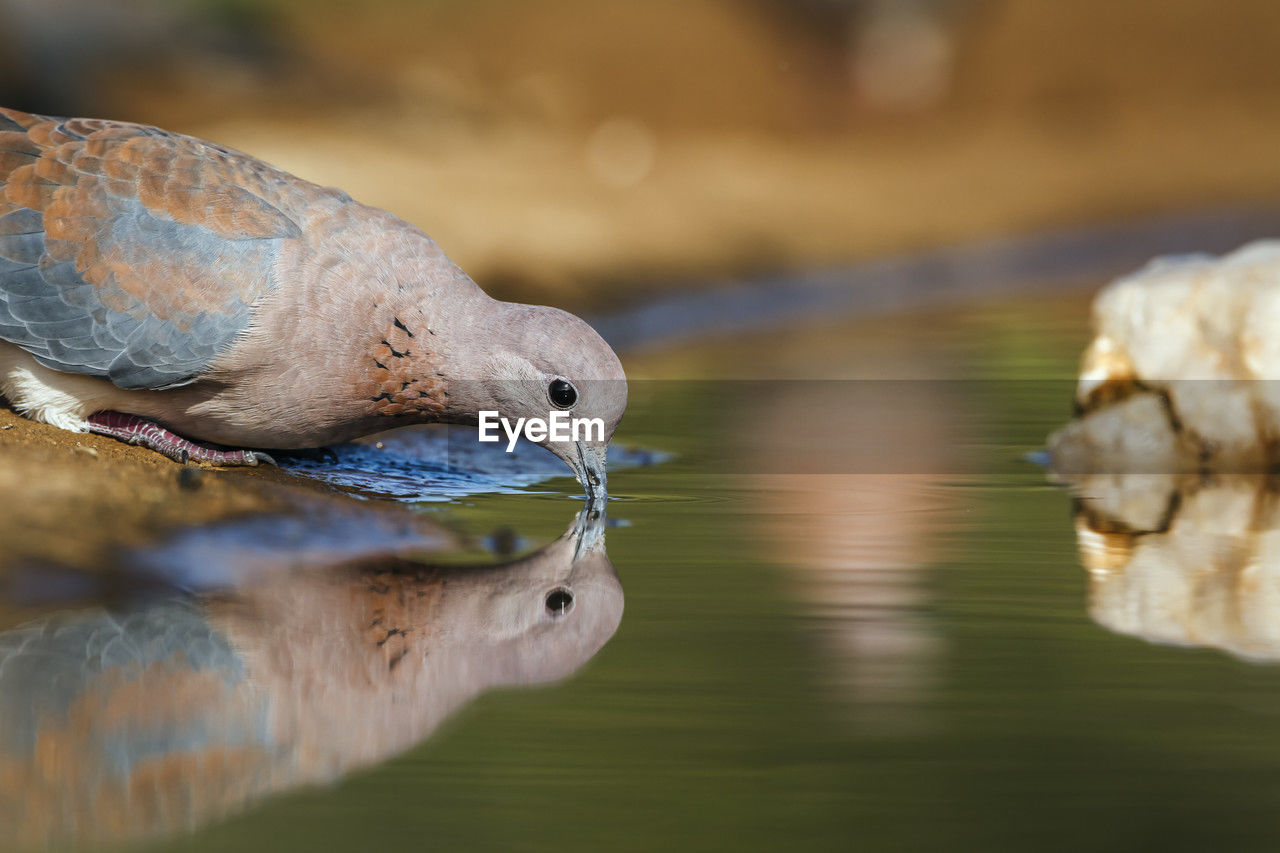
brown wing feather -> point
(130, 252)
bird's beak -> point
(589, 466)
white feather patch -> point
(62, 399)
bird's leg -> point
(136, 430)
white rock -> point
(1182, 372)
(1207, 574)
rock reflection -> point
(137, 722)
(1185, 560)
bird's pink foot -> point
(136, 430)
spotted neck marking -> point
(404, 379)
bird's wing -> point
(131, 253)
(126, 697)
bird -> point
(184, 296)
(134, 720)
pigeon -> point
(152, 716)
(187, 297)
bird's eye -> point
(562, 394)
(559, 602)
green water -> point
(826, 662)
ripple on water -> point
(435, 464)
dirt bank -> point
(72, 499)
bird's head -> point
(539, 618)
(547, 368)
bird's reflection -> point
(140, 721)
(1184, 559)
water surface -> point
(856, 617)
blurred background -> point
(586, 153)
(855, 611)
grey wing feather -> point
(48, 666)
(129, 253)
